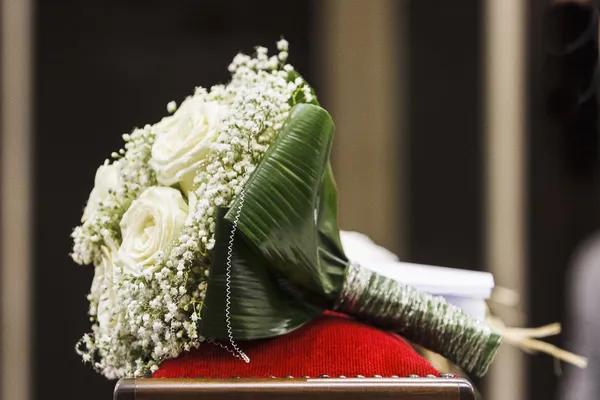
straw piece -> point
(526, 340)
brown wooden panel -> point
(296, 389)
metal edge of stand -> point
(124, 390)
(404, 388)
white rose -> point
(107, 178)
(102, 290)
(150, 227)
(183, 140)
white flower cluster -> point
(116, 186)
(150, 221)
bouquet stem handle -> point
(424, 319)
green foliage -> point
(287, 239)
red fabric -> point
(330, 345)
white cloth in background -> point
(463, 288)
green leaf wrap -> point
(288, 263)
(261, 304)
(290, 214)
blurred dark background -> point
(102, 68)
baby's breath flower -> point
(172, 107)
(282, 45)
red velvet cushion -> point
(330, 345)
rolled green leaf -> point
(288, 262)
(261, 304)
(290, 212)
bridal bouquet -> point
(219, 223)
